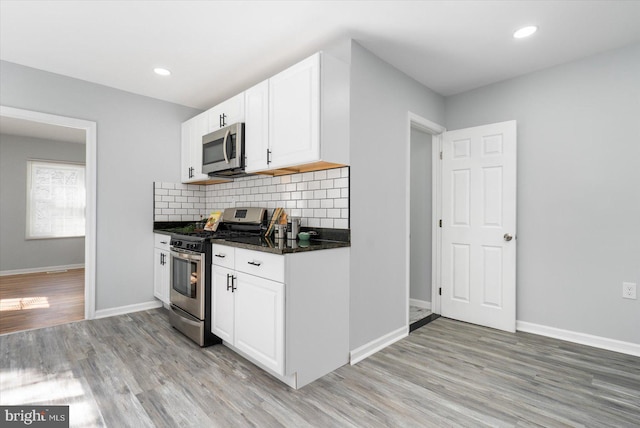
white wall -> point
(381, 97)
(578, 189)
(138, 142)
(16, 252)
(421, 182)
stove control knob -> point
(177, 243)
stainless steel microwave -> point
(223, 152)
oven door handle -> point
(188, 256)
(224, 145)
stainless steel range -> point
(190, 265)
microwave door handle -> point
(224, 145)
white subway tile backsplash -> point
(341, 203)
(333, 213)
(341, 223)
(326, 184)
(333, 193)
(320, 212)
(326, 222)
(320, 175)
(320, 194)
(326, 203)
(341, 182)
(321, 198)
(334, 173)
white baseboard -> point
(376, 345)
(121, 310)
(581, 338)
(40, 269)
(420, 303)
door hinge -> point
(440, 155)
(440, 291)
(440, 223)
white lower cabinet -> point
(247, 310)
(259, 316)
(222, 304)
(288, 314)
(161, 269)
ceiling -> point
(216, 49)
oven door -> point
(223, 149)
(187, 281)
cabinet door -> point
(256, 128)
(226, 113)
(294, 114)
(259, 314)
(191, 153)
(222, 303)
(200, 128)
(161, 274)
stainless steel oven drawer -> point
(190, 326)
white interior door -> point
(479, 225)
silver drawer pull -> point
(222, 256)
(255, 263)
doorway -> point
(423, 181)
(420, 218)
(473, 222)
(89, 130)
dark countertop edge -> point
(315, 245)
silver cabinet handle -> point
(255, 263)
(222, 256)
(507, 237)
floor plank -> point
(37, 300)
(135, 370)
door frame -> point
(90, 129)
(420, 123)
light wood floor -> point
(41, 300)
(135, 371)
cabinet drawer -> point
(161, 241)
(222, 255)
(264, 265)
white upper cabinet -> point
(299, 118)
(191, 154)
(256, 128)
(226, 113)
(294, 114)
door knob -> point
(507, 237)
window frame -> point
(30, 201)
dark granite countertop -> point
(325, 239)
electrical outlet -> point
(628, 290)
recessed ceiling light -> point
(162, 71)
(525, 32)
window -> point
(55, 199)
